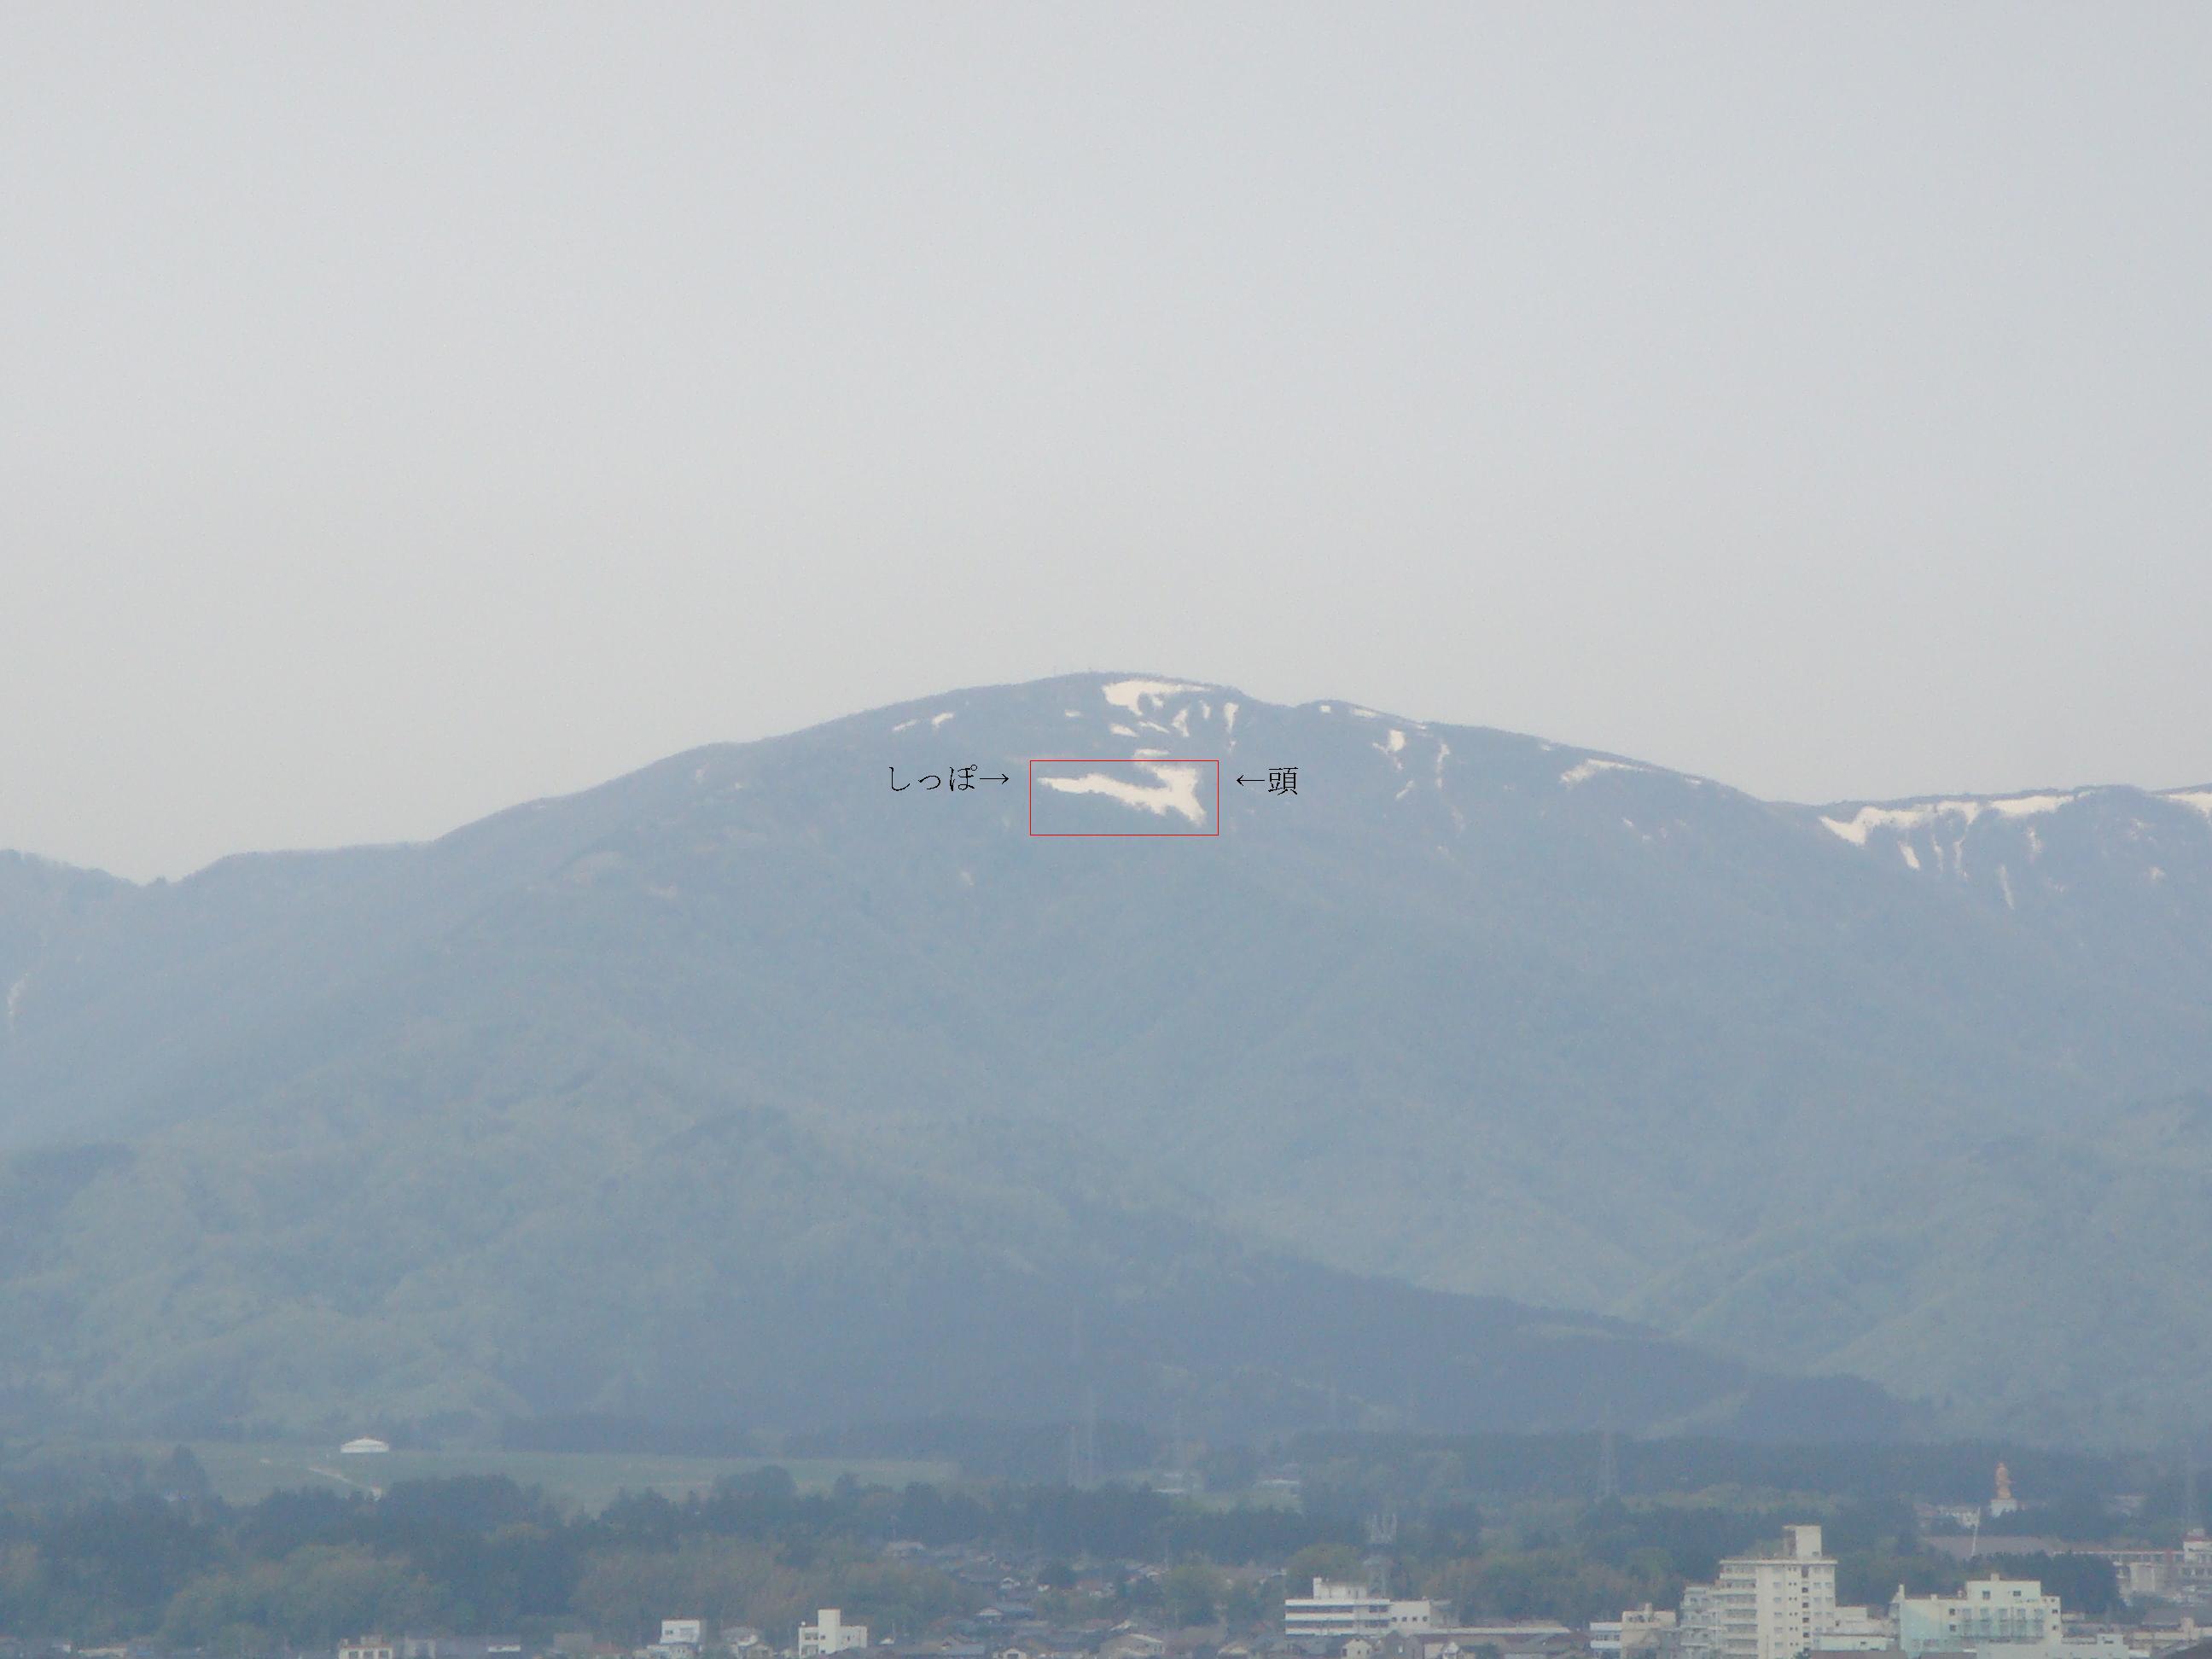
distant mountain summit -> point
(800, 1079)
(2117, 867)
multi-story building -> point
(1639, 1634)
(1336, 1610)
(1773, 1603)
(1698, 1628)
(2196, 1564)
(2011, 1615)
(2143, 1575)
(1855, 1630)
(830, 1633)
(2184, 1574)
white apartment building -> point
(830, 1633)
(1337, 1609)
(1698, 1626)
(1772, 1604)
(2010, 1614)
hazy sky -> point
(407, 410)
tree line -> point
(163, 1558)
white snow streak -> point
(1176, 792)
(2028, 806)
(1856, 828)
(1917, 814)
(2200, 800)
(1133, 694)
(1590, 767)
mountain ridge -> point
(1408, 1023)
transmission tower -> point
(1381, 1533)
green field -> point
(243, 1474)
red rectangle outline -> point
(1036, 761)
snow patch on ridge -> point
(1132, 695)
(2028, 806)
(15, 997)
(2199, 801)
(1176, 791)
(1868, 819)
(1587, 770)
(1917, 815)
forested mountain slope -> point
(602, 1103)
